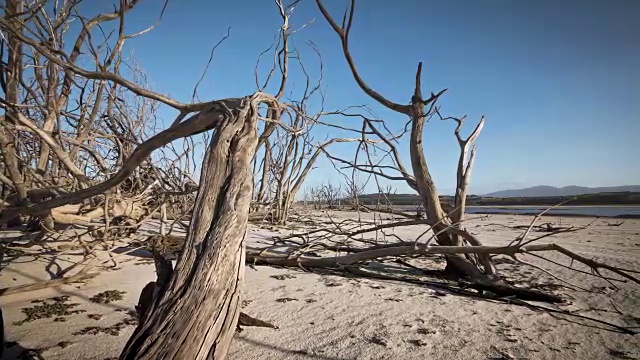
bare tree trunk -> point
(266, 166)
(196, 316)
(13, 73)
(418, 110)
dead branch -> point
(80, 276)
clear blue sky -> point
(559, 81)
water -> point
(600, 211)
(603, 211)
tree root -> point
(246, 320)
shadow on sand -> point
(302, 353)
(13, 350)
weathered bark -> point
(146, 299)
(13, 73)
(196, 315)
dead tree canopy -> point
(194, 309)
(65, 128)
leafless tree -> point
(419, 178)
(202, 294)
(354, 189)
(467, 258)
(332, 194)
(316, 197)
(293, 164)
(63, 132)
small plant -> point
(107, 297)
(113, 330)
(55, 307)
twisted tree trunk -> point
(194, 316)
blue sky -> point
(559, 81)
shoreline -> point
(621, 216)
(632, 211)
(557, 207)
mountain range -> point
(544, 191)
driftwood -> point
(246, 320)
(262, 256)
(299, 257)
(303, 254)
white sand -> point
(334, 317)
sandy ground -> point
(334, 317)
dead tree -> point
(420, 179)
(288, 153)
(63, 132)
(331, 194)
(353, 191)
(467, 259)
(194, 313)
(200, 305)
(281, 62)
(295, 161)
(315, 195)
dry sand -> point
(334, 317)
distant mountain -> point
(544, 191)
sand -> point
(336, 317)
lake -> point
(601, 211)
